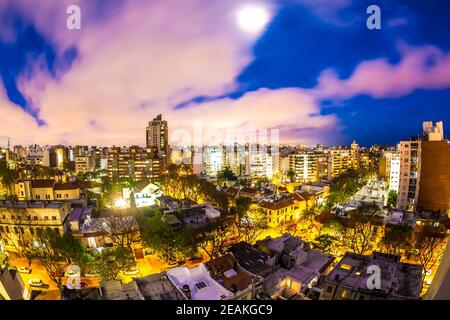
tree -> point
(332, 228)
(168, 243)
(251, 225)
(325, 242)
(289, 226)
(396, 239)
(360, 236)
(431, 248)
(54, 251)
(226, 174)
(7, 179)
(291, 174)
(111, 262)
(123, 231)
(214, 238)
(392, 199)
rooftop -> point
(116, 290)
(226, 271)
(398, 279)
(157, 287)
(251, 259)
(199, 283)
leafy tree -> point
(332, 228)
(226, 174)
(360, 237)
(169, 244)
(392, 199)
(111, 262)
(243, 204)
(325, 242)
(7, 178)
(122, 230)
(214, 238)
(251, 225)
(396, 239)
(431, 248)
(54, 251)
(291, 175)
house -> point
(249, 192)
(30, 216)
(251, 259)
(197, 284)
(98, 233)
(298, 267)
(194, 215)
(232, 194)
(279, 210)
(116, 290)
(66, 191)
(47, 189)
(145, 194)
(349, 279)
(158, 287)
(227, 272)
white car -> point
(35, 282)
(71, 273)
(92, 274)
(24, 270)
(131, 272)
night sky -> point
(314, 71)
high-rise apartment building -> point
(425, 171)
(341, 160)
(158, 138)
(134, 163)
(305, 166)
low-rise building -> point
(158, 287)
(197, 284)
(227, 272)
(252, 259)
(144, 193)
(279, 210)
(25, 217)
(350, 279)
(116, 290)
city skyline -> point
(102, 84)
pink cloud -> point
(142, 62)
(420, 68)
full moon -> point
(253, 18)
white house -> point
(145, 194)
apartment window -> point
(46, 218)
(67, 195)
(329, 289)
(35, 218)
(32, 231)
(53, 218)
(38, 197)
(344, 294)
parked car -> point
(92, 274)
(131, 272)
(24, 270)
(35, 282)
(71, 273)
